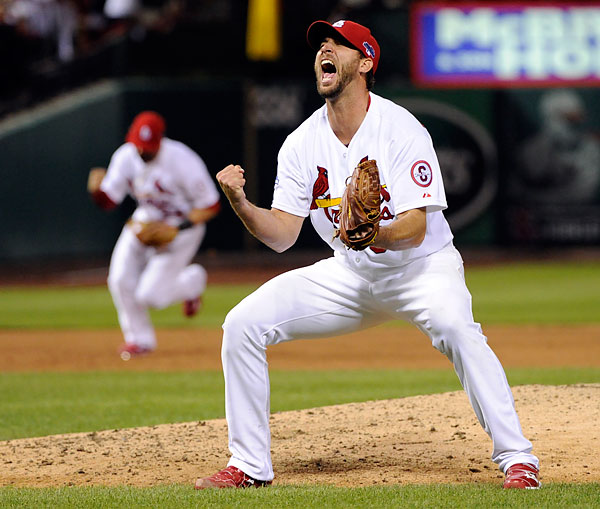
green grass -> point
(513, 294)
(527, 293)
(92, 308)
(38, 404)
(306, 497)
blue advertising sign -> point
(505, 44)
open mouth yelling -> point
(328, 72)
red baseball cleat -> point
(230, 477)
(191, 307)
(129, 350)
(522, 476)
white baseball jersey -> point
(313, 166)
(166, 188)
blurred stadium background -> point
(499, 88)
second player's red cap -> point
(356, 35)
(146, 131)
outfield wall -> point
(46, 154)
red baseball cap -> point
(358, 36)
(146, 131)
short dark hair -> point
(370, 78)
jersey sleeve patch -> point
(421, 173)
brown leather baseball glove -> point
(360, 207)
(155, 233)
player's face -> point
(146, 155)
(336, 65)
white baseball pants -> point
(142, 277)
(326, 299)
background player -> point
(412, 271)
(176, 196)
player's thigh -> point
(321, 300)
(164, 264)
(440, 303)
(431, 288)
(127, 261)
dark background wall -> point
(58, 123)
(46, 155)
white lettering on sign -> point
(535, 42)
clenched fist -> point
(232, 181)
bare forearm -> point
(268, 226)
(405, 232)
(204, 215)
(275, 228)
(94, 182)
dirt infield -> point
(381, 347)
(424, 439)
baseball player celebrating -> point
(150, 265)
(399, 262)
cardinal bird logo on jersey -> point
(321, 196)
(320, 187)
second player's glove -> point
(155, 233)
(360, 207)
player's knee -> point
(446, 332)
(451, 332)
(151, 298)
(239, 331)
(120, 284)
(197, 274)
(236, 323)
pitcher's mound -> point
(422, 439)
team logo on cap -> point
(421, 173)
(339, 24)
(369, 49)
(145, 133)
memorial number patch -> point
(421, 173)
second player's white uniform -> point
(354, 290)
(166, 189)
